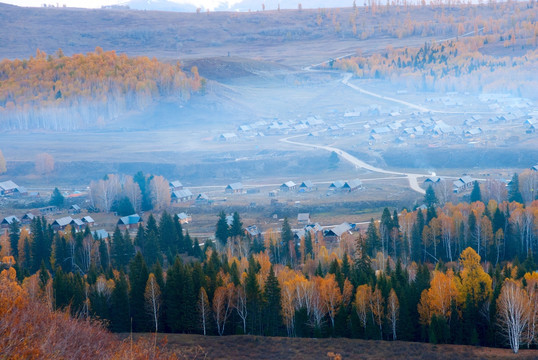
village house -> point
(432, 180)
(61, 223)
(252, 231)
(175, 185)
(288, 186)
(227, 137)
(184, 218)
(333, 236)
(534, 168)
(88, 221)
(74, 209)
(182, 195)
(463, 183)
(77, 224)
(129, 222)
(352, 185)
(306, 186)
(101, 234)
(8, 221)
(234, 188)
(201, 199)
(27, 218)
(337, 185)
(303, 218)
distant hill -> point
(160, 5)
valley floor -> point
(257, 347)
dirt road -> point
(412, 178)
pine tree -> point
(513, 190)
(252, 289)
(430, 199)
(286, 236)
(308, 246)
(237, 226)
(138, 277)
(372, 239)
(222, 232)
(273, 308)
(119, 309)
(14, 236)
(57, 199)
(475, 194)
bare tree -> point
(132, 191)
(528, 182)
(160, 193)
(152, 295)
(494, 190)
(241, 305)
(393, 309)
(222, 305)
(513, 313)
(203, 309)
(104, 192)
(44, 164)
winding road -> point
(412, 178)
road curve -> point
(412, 178)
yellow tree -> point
(152, 295)
(331, 295)
(362, 303)
(532, 291)
(377, 309)
(438, 298)
(475, 282)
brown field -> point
(256, 347)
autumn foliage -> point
(87, 90)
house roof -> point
(289, 184)
(307, 184)
(466, 179)
(28, 216)
(337, 184)
(202, 196)
(75, 207)
(183, 216)
(180, 194)
(535, 167)
(458, 183)
(338, 230)
(88, 219)
(315, 227)
(77, 222)
(352, 184)
(101, 234)
(253, 230)
(433, 179)
(130, 220)
(303, 217)
(63, 221)
(228, 135)
(176, 184)
(235, 186)
(8, 185)
(10, 219)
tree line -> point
(58, 92)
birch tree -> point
(152, 295)
(513, 313)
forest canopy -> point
(58, 92)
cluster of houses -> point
(303, 187)
(178, 193)
(274, 127)
(463, 183)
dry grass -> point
(257, 347)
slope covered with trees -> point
(57, 92)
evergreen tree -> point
(222, 231)
(513, 190)
(237, 226)
(430, 199)
(14, 236)
(104, 254)
(308, 246)
(138, 277)
(57, 199)
(273, 308)
(119, 310)
(180, 245)
(286, 236)
(372, 239)
(252, 289)
(165, 233)
(123, 207)
(416, 237)
(41, 243)
(152, 252)
(475, 194)
(143, 182)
